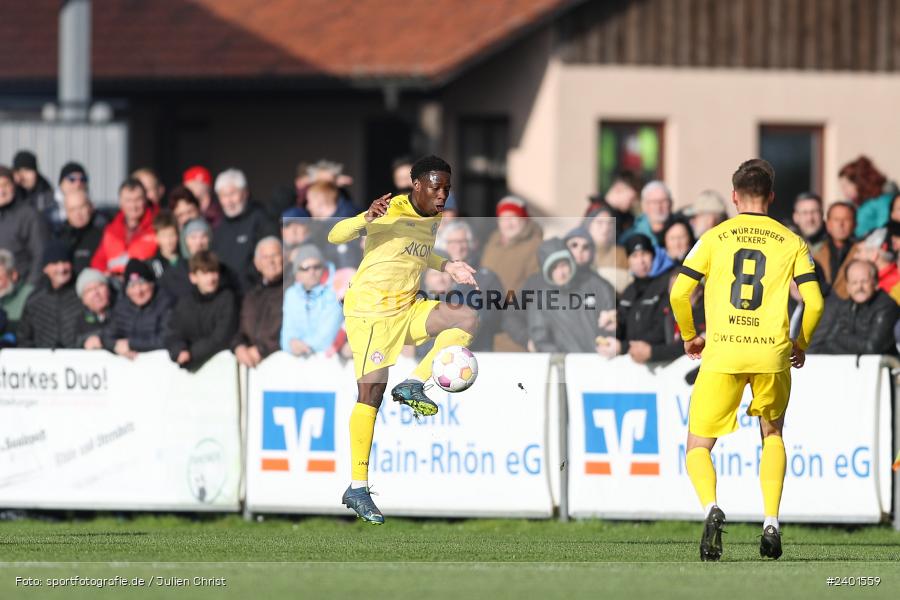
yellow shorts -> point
(376, 342)
(717, 397)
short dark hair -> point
(426, 164)
(846, 204)
(205, 261)
(131, 184)
(802, 196)
(164, 219)
(181, 193)
(627, 177)
(401, 161)
(754, 178)
(7, 173)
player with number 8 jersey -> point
(748, 263)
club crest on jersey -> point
(377, 357)
(434, 227)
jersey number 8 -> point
(742, 278)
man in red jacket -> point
(130, 234)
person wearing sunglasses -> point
(312, 313)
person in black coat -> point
(141, 316)
(862, 324)
(34, 188)
(244, 224)
(643, 323)
(203, 323)
(51, 312)
(22, 230)
(82, 230)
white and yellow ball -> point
(454, 369)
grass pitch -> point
(336, 558)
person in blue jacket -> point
(312, 312)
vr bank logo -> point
(621, 431)
(298, 431)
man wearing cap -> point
(52, 311)
(92, 288)
(130, 234)
(706, 212)
(82, 230)
(33, 187)
(571, 323)
(641, 319)
(511, 250)
(140, 318)
(72, 177)
(22, 230)
(312, 313)
(198, 179)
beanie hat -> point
(197, 173)
(86, 278)
(69, 168)
(195, 225)
(551, 252)
(137, 270)
(305, 252)
(637, 242)
(56, 251)
(24, 160)
(512, 204)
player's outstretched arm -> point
(347, 230)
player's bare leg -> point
(772, 468)
(703, 476)
(450, 325)
(357, 497)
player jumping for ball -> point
(383, 312)
(748, 262)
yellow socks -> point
(703, 475)
(446, 338)
(362, 428)
(771, 473)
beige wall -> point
(516, 83)
(711, 120)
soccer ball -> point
(454, 369)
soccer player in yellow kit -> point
(383, 312)
(748, 262)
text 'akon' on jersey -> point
(748, 261)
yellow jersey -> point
(399, 247)
(748, 262)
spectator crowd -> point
(203, 267)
